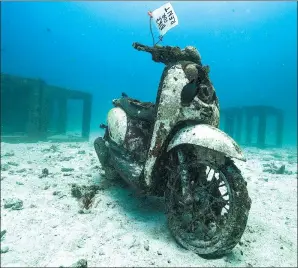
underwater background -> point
(251, 48)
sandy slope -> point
(49, 231)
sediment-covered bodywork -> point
(117, 121)
(208, 137)
(171, 110)
(173, 148)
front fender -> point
(209, 137)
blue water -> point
(251, 48)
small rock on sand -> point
(146, 245)
(3, 232)
(15, 164)
(13, 203)
(11, 153)
(5, 167)
(82, 263)
(67, 169)
(45, 172)
(4, 249)
(281, 170)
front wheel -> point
(206, 200)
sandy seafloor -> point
(123, 229)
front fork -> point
(188, 180)
(184, 173)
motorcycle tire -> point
(222, 236)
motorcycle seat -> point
(136, 109)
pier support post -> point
(262, 128)
(62, 118)
(279, 129)
(86, 117)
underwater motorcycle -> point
(173, 148)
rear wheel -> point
(103, 157)
(206, 200)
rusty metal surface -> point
(208, 137)
(137, 138)
(203, 109)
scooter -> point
(174, 148)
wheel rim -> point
(200, 207)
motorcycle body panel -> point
(170, 112)
(132, 135)
(128, 169)
(208, 137)
(117, 122)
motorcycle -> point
(173, 148)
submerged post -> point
(279, 128)
(249, 118)
(239, 119)
(262, 127)
(62, 118)
(34, 119)
(86, 116)
(229, 123)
